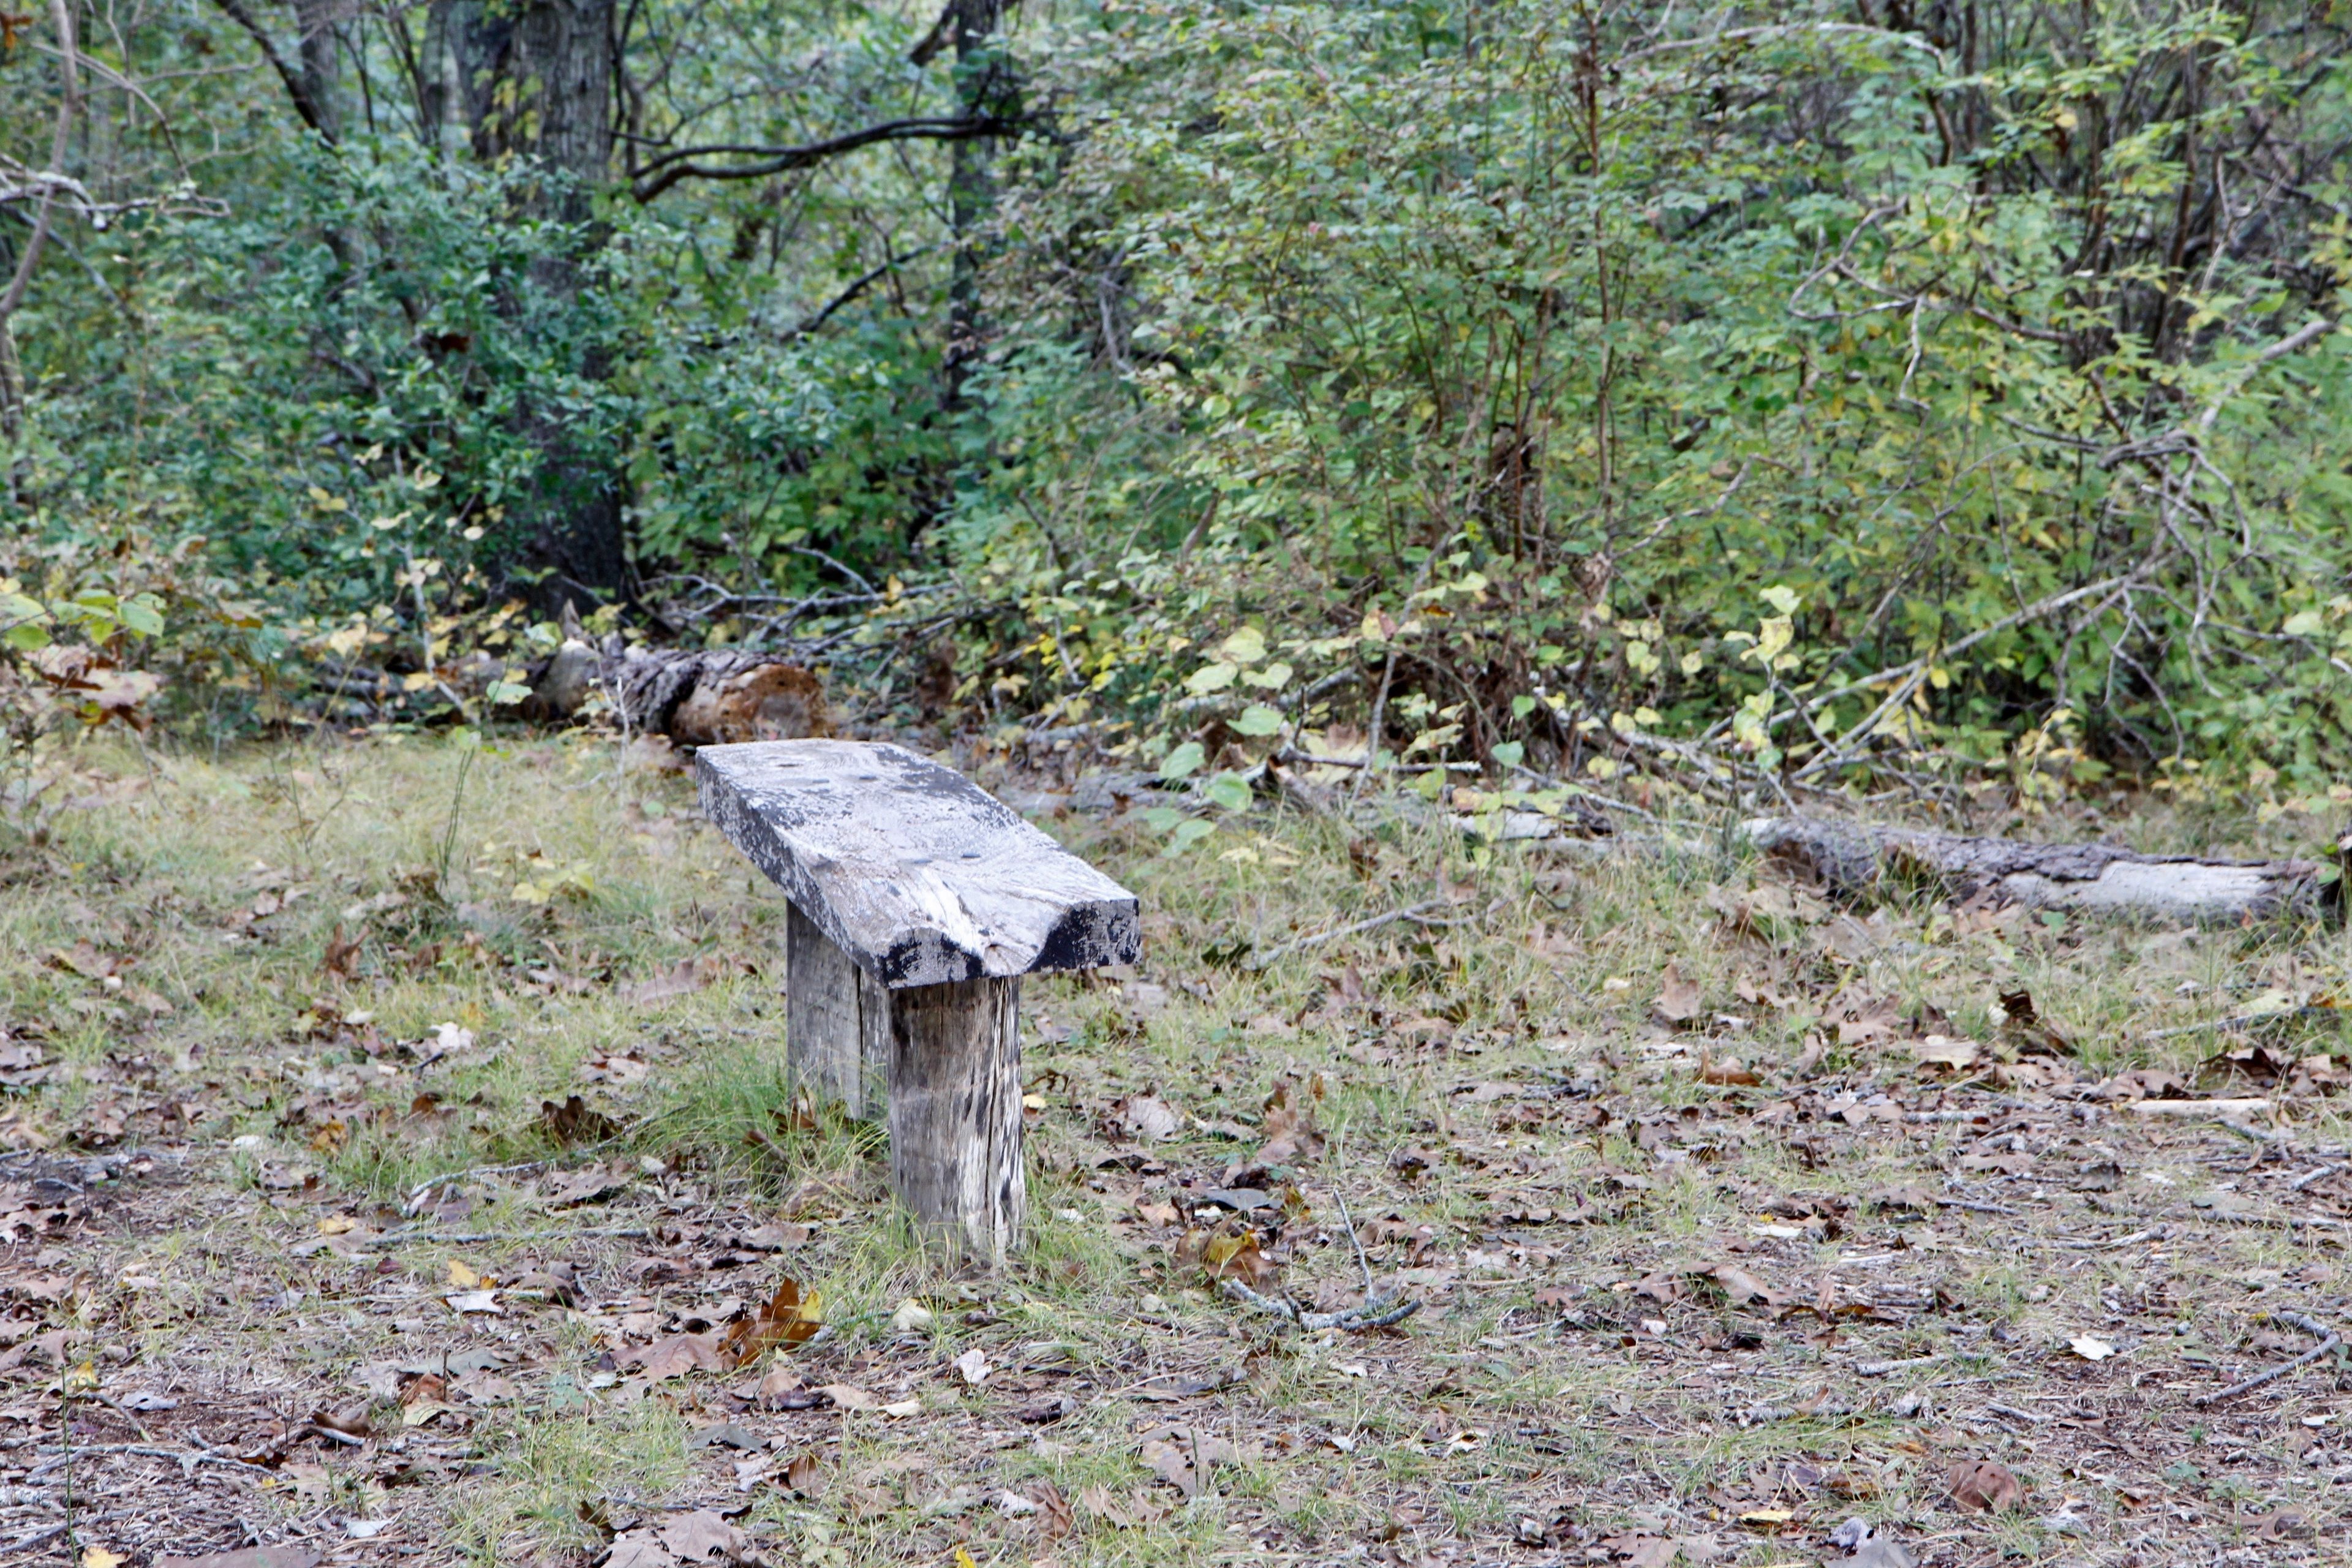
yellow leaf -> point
(1767, 1516)
(100, 1557)
(963, 1559)
(336, 1225)
(463, 1277)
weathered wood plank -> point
(836, 1021)
(919, 876)
(955, 1113)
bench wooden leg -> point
(955, 1113)
(836, 1021)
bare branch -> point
(303, 103)
(652, 179)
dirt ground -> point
(403, 1170)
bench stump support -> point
(955, 1113)
(836, 1022)
(918, 903)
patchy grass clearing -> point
(404, 1167)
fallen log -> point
(696, 696)
(1855, 857)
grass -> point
(302, 981)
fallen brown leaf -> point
(638, 1549)
(1146, 1118)
(1641, 1550)
(703, 1536)
(1055, 1518)
(1983, 1486)
(574, 1121)
(677, 1355)
(804, 1476)
(1291, 1136)
(1744, 1288)
(341, 957)
(1182, 1455)
(1678, 997)
(1728, 1071)
(787, 1318)
(683, 980)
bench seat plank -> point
(919, 876)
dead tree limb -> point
(1855, 857)
(696, 696)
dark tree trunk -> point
(534, 80)
(985, 85)
(319, 50)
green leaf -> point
(1212, 677)
(1257, 718)
(1246, 645)
(506, 693)
(1229, 789)
(143, 614)
(1162, 818)
(1189, 832)
(1183, 761)
(1510, 753)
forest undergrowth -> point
(402, 1169)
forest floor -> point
(403, 1171)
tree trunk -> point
(1856, 856)
(534, 80)
(320, 49)
(984, 85)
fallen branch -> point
(415, 1203)
(186, 1456)
(1417, 914)
(2220, 1110)
(1377, 1313)
(2241, 1021)
(2260, 1379)
(1854, 857)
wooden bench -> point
(918, 901)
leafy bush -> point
(1602, 385)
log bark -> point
(955, 1113)
(697, 697)
(1856, 856)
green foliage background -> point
(1827, 394)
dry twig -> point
(2330, 1341)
